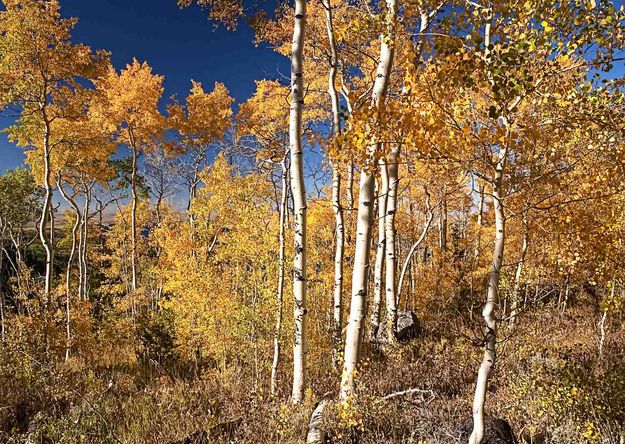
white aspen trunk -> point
(350, 187)
(442, 223)
(566, 292)
(339, 252)
(602, 330)
(349, 198)
(81, 239)
(358, 306)
(514, 304)
(413, 248)
(492, 300)
(378, 268)
(133, 222)
(391, 253)
(2, 295)
(478, 237)
(299, 203)
(85, 238)
(280, 290)
(193, 186)
(47, 204)
(70, 261)
(18, 267)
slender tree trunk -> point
(442, 223)
(514, 305)
(81, 239)
(604, 317)
(339, 254)
(566, 292)
(159, 204)
(339, 251)
(350, 187)
(299, 202)
(193, 186)
(480, 216)
(428, 221)
(133, 222)
(19, 267)
(602, 331)
(2, 294)
(280, 290)
(358, 306)
(378, 268)
(84, 245)
(492, 300)
(47, 204)
(391, 246)
(70, 262)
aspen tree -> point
(339, 251)
(128, 108)
(265, 116)
(378, 268)
(70, 260)
(358, 305)
(390, 290)
(283, 208)
(201, 121)
(299, 202)
(37, 63)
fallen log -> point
(316, 434)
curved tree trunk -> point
(492, 300)
(70, 261)
(358, 306)
(299, 203)
(47, 204)
(426, 227)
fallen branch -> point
(410, 392)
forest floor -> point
(549, 383)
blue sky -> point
(179, 44)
